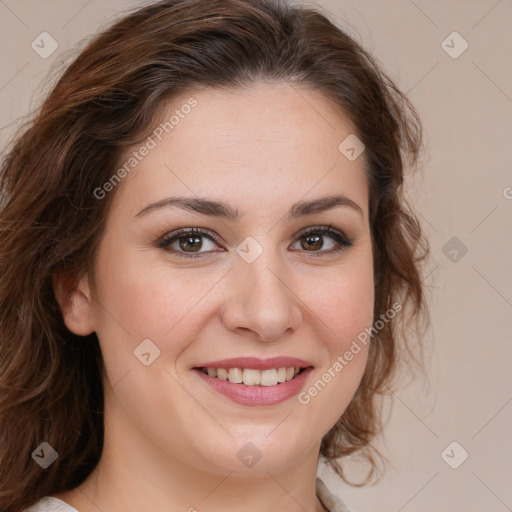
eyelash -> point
(342, 240)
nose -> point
(261, 299)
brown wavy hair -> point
(108, 99)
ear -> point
(75, 303)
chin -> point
(248, 455)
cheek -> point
(345, 307)
(138, 301)
(344, 310)
(344, 301)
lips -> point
(255, 395)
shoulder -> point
(331, 502)
(50, 504)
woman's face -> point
(251, 287)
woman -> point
(206, 259)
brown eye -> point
(189, 241)
(313, 240)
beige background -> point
(464, 191)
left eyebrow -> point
(221, 209)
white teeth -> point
(251, 377)
(222, 373)
(235, 375)
(269, 377)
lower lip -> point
(257, 395)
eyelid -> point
(192, 230)
(323, 228)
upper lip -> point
(257, 364)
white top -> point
(331, 502)
(51, 504)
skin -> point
(171, 442)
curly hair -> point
(108, 99)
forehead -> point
(265, 142)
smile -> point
(269, 390)
(254, 377)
